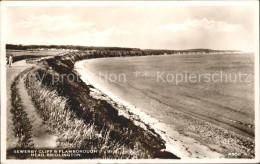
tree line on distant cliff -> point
(124, 49)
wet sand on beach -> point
(183, 113)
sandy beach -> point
(179, 144)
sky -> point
(146, 27)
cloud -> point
(200, 24)
(53, 23)
(167, 27)
(68, 30)
(108, 37)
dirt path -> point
(11, 73)
(40, 135)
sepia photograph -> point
(129, 82)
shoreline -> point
(175, 142)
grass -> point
(72, 131)
(99, 113)
(31, 54)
